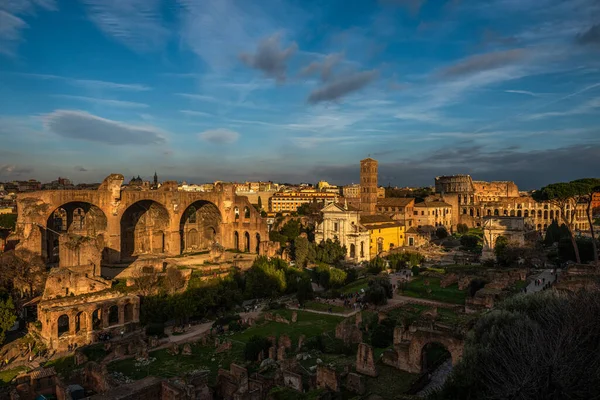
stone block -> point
(327, 378)
(365, 362)
(294, 316)
(281, 353)
(355, 383)
(187, 350)
(292, 380)
(285, 341)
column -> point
(121, 314)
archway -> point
(97, 319)
(247, 242)
(257, 243)
(352, 250)
(199, 226)
(143, 227)
(80, 322)
(63, 325)
(433, 355)
(236, 240)
(113, 315)
(78, 218)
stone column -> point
(136, 311)
(121, 314)
(104, 316)
(72, 326)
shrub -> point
(462, 228)
(155, 329)
(469, 241)
(415, 270)
(255, 346)
(441, 233)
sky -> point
(300, 90)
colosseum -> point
(472, 200)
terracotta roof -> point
(433, 204)
(43, 373)
(412, 230)
(375, 218)
(395, 201)
(350, 208)
(382, 226)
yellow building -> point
(385, 233)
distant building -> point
(385, 234)
(31, 185)
(290, 201)
(342, 222)
(433, 213)
(351, 191)
(398, 208)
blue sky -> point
(300, 90)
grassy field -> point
(450, 294)
(355, 286)
(308, 324)
(167, 365)
(8, 375)
(63, 366)
(317, 306)
(390, 383)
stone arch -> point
(97, 319)
(246, 242)
(429, 363)
(352, 250)
(257, 243)
(80, 322)
(236, 240)
(80, 218)
(199, 227)
(496, 212)
(63, 325)
(127, 312)
(421, 339)
(143, 227)
(113, 315)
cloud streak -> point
(342, 86)
(12, 24)
(105, 102)
(81, 125)
(482, 62)
(219, 136)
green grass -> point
(450, 294)
(308, 324)
(355, 286)
(167, 365)
(63, 366)
(95, 352)
(390, 383)
(8, 375)
(317, 306)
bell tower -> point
(368, 186)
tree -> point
(537, 346)
(8, 221)
(305, 291)
(565, 196)
(145, 280)
(23, 272)
(264, 279)
(7, 317)
(469, 241)
(175, 280)
(441, 233)
(586, 188)
(255, 346)
(301, 251)
(462, 228)
(260, 206)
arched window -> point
(551, 214)
(236, 240)
(489, 212)
(63, 325)
(526, 213)
(236, 211)
(539, 214)
(519, 213)
(496, 212)
(246, 212)
(352, 250)
(545, 214)
(246, 242)
(97, 319)
(512, 213)
(113, 315)
(471, 212)
(80, 322)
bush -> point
(379, 291)
(383, 334)
(255, 346)
(155, 329)
(469, 241)
(376, 265)
(441, 233)
(462, 228)
(415, 270)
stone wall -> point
(365, 363)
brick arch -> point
(420, 339)
(205, 218)
(144, 226)
(77, 217)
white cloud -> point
(88, 83)
(135, 23)
(85, 126)
(219, 136)
(12, 24)
(106, 102)
(195, 113)
(589, 107)
(522, 92)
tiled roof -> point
(394, 201)
(433, 204)
(375, 218)
(382, 226)
(43, 373)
